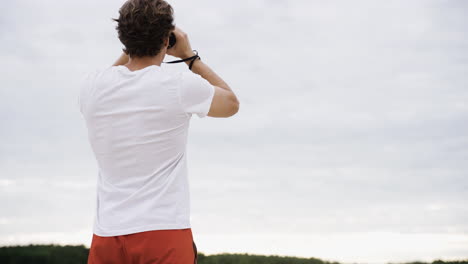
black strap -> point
(191, 63)
(193, 58)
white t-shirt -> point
(137, 126)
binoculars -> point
(172, 40)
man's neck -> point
(138, 63)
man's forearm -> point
(123, 59)
(200, 68)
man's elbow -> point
(234, 105)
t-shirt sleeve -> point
(196, 94)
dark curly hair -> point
(143, 25)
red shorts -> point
(172, 246)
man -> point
(137, 115)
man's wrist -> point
(193, 62)
(190, 59)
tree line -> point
(57, 254)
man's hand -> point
(182, 48)
(122, 60)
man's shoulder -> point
(92, 74)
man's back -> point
(137, 126)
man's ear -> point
(166, 42)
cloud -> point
(353, 119)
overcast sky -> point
(351, 142)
